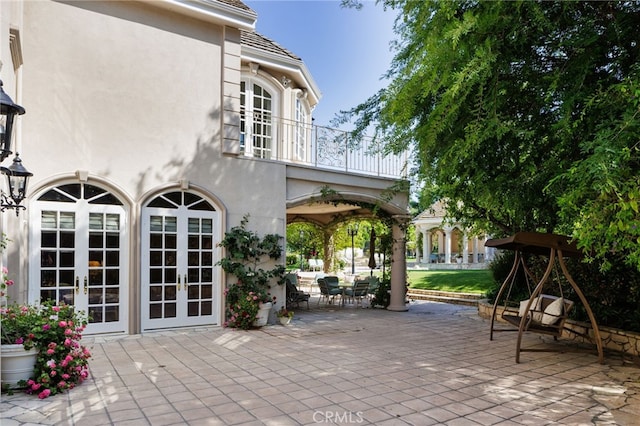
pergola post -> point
(398, 265)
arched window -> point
(257, 104)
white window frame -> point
(248, 117)
(302, 130)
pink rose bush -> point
(243, 306)
(246, 253)
(5, 282)
(56, 331)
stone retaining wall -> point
(618, 340)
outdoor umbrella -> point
(372, 251)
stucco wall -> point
(127, 94)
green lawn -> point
(466, 281)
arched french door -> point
(79, 254)
(180, 282)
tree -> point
(514, 109)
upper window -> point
(256, 120)
(300, 142)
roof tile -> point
(253, 39)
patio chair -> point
(374, 283)
(328, 292)
(359, 290)
(293, 294)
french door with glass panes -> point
(180, 282)
(81, 254)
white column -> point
(426, 245)
(398, 265)
(475, 249)
(447, 246)
(465, 248)
(489, 252)
(419, 254)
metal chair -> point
(358, 290)
(293, 294)
(328, 292)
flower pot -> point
(263, 314)
(17, 364)
(285, 320)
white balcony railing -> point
(322, 147)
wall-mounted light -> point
(17, 175)
(17, 179)
(8, 111)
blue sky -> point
(347, 51)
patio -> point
(431, 365)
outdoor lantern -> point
(8, 111)
(17, 177)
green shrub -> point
(382, 296)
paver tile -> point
(431, 365)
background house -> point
(444, 244)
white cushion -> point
(535, 308)
(523, 306)
(553, 312)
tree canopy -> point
(524, 115)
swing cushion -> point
(553, 312)
(536, 310)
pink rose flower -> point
(45, 393)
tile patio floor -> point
(431, 365)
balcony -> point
(316, 146)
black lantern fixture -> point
(352, 230)
(17, 178)
(17, 175)
(8, 111)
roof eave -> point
(211, 11)
(285, 64)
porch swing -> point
(541, 313)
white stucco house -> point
(151, 128)
(447, 244)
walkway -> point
(431, 365)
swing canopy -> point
(536, 243)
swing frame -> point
(555, 247)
